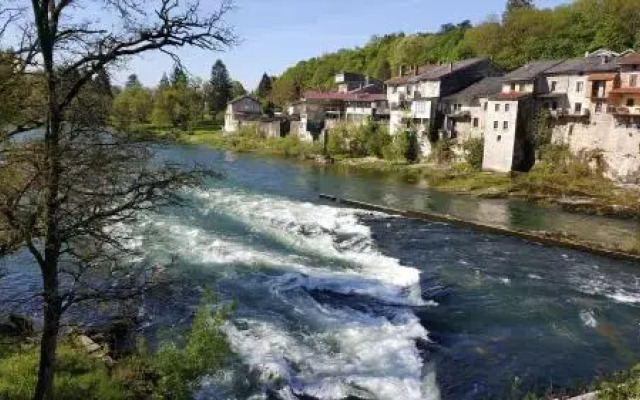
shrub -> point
(441, 152)
(474, 152)
(173, 373)
(403, 148)
(358, 140)
(78, 377)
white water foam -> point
(326, 231)
(588, 318)
(342, 352)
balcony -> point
(622, 111)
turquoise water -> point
(337, 303)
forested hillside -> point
(521, 34)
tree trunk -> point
(48, 345)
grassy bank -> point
(173, 372)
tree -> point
(237, 89)
(264, 87)
(383, 71)
(220, 87)
(133, 82)
(61, 197)
(518, 5)
(284, 91)
(164, 82)
(179, 77)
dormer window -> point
(633, 81)
(513, 87)
(554, 86)
(522, 87)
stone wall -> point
(620, 145)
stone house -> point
(415, 97)
(241, 111)
(357, 99)
(613, 127)
(508, 135)
(467, 110)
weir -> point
(532, 236)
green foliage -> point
(220, 88)
(358, 140)
(237, 89)
(441, 152)
(622, 386)
(173, 373)
(78, 377)
(179, 77)
(205, 351)
(474, 152)
(524, 34)
(264, 87)
(133, 82)
(130, 107)
(542, 132)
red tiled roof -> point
(338, 96)
(603, 77)
(630, 59)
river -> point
(337, 303)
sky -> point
(276, 34)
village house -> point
(510, 114)
(245, 111)
(466, 110)
(242, 111)
(593, 103)
(357, 99)
(415, 96)
(612, 128)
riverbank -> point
(90, 367)
(570, 186)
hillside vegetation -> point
(520, 35)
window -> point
(513, 87)
(554, 105)
(506, 107)
(496, 124)
(394, 89)
(554, 86)
(598, 107)
(475, 122)
(522, 87)
(578, 108)
(505, 125)
(579, 87)
(499, 138)
(486, 105)
(497, 107)
(631, 102)
(633, 81)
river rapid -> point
(338, 303)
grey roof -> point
(484, 88)
(531, 70)
(437, 72)
(584, 65)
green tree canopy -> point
(220, 87)
(264, 87)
